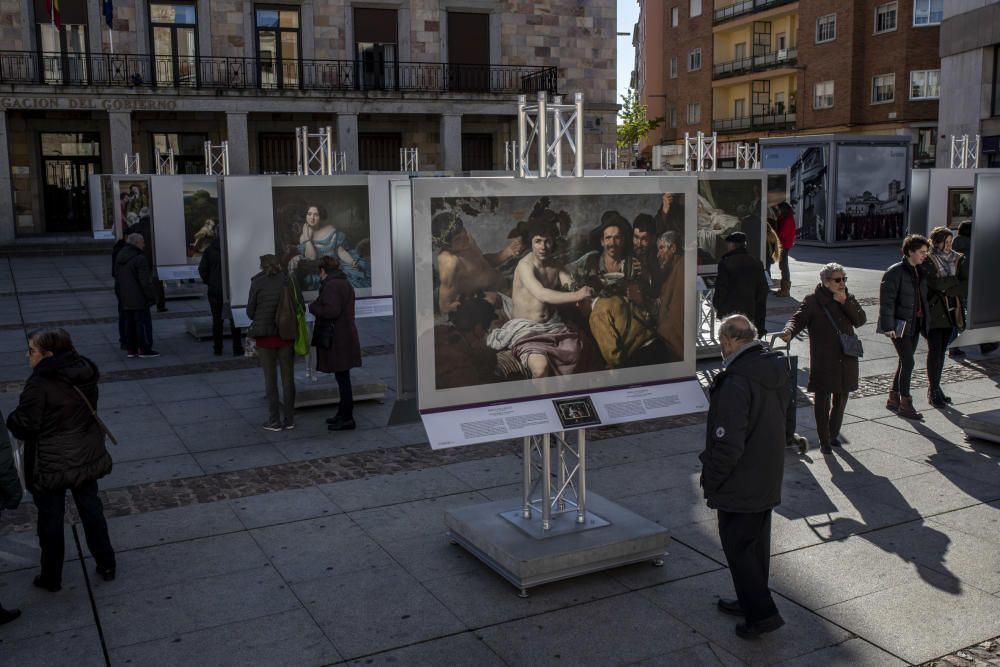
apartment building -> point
(78, 95)
(755, 68)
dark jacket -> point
(744, 458)
(210, 269)
(741, 287)
(63, 445)
(334, 307)
(903, 289)
(10, 485)
(963, 240)
(944, 293)
(262, 304)
(133, 279)
(830, 370)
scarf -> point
(945, 263)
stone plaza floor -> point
(238, 546)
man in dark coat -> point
(743, 467)
(740, 286)
(143, 227)
(335, 336)
(210, 270)
(134, 287)
(10, 497)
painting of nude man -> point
(550, 290)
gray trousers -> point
(270, 360)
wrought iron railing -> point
(780, 58)
(767, 121)
(129, 70)
(746, 7)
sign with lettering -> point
(87, 103)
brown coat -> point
(335, 305)
(670, 321)
(830, 370)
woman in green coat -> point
(10, 496)
(947, 285)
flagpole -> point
(111, 40)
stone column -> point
(239, 143)
(347, 139)
(7, 224)
(120, 126)
(451, 142)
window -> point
(779, 103)
(883, 88)
(695, 8)
(469, 55)
(64, 52)
(885, 17)
(928, 12)
(926, 147)
(694, 113)
(826, 28)
(740, 51)
(375, 36)
(175, 43)
(189, 150)
(780, 42)
(675, 16)
(925, 84)
(673, 117)
(694, 59)
(278, 47)
(673, 67)
(739, 107)
(823, 95)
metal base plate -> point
(526, 561)
(323, 390)
(562, 524)
(984, 425)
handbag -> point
(100, 422)
(285, 316)
(850, 344)
(302, 329)
(323, 334)
(956, 313)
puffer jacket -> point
(63, 444)
(10, 485)
(945, 293)
(262, 304)
(744, 457)
(134, 279)
(903, 291)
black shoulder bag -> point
(850, 344)
(100, 422)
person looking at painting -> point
(335, 338)
(210, 270)
(319, 238)
(947, 286)
(135, 290)
(536, 334)
(272, 350)
(740, 286)
(786, 236)
(463, 269)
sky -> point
(628, 14)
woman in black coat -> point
(833, 375)
(63, 450)
(335, 337)
(10, 497)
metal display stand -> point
(560, 531)
(314, 152)
(511, 156)
(409, 160)
(964, 152)
(747, 156)
(217, 158)
(706, 342)
(700, 152)
(132, 164)
(164, 162)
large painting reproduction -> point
(525, 289)
(133, 204)
(727, 205)
(871, 192)
(808, 176)
(312, 221)
(201, 216)
(960, 206)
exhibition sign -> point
(534, 288)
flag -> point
(109, 12)
(52, 6)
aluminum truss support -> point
(965, 152)
(700, 152)
(314, 151)
(550, 492)
(164, 162)
(409, 160)
(747, 156)
(534, 133)
(132, 164)
(217, 158)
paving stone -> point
(68, 609)
(854, 652)
(401, 487)
(930, 493)
(196, 411)
(173, 525)
(887, 438)
(677, 506)
(80, 647)
(375, 610)
(283, 507)
(432, 556)
(497, 471)
(463, 649)
(656, 474)
(704, 655)
(178, 389)
(239, 458)
(982, 521)
(147, 447)
(411, 519)
(128, 473)
(220, 434)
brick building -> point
(441, 75)
(754, 68)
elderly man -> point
(740, 286)
(670, 276)
(743, 464)
(135, 290)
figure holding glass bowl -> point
(320, 238)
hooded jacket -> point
(740, 287)
(63, 444)
(744, 459)
(134, 279)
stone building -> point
(439, 75)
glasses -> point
(842, 279)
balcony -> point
(262, 74)
(769, 121)
(746, 7)
(772, 60)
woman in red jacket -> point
(786, 234)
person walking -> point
(786, 236)
(273, 350)
(740, 286)
(210, 270)
(10, 497)
(63, 450)
(826, 314)
(947, 285)
(335, 337)
(743, 464)
(903, 317)
(134, 287)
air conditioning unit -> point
(782, 55)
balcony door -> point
(376, 51)
(68, 159)
(63, 57)
(278, 47)
(174, 30)
(468, 51)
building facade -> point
(755, 68)
(439, 75)
(970, 77)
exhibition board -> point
(728, 201)
(123, 200)
(983, 304)
(950, 198)
(528, 289)
(188, 217)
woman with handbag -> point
(335, 337)
(63, 450)
(947, 285)
(830, 314)
(271, 309)
(10, 497)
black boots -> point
(8, 615)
